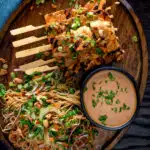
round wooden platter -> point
(128, 24)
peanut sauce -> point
(110, 98)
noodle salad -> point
(42, 112)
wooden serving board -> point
(135, 60)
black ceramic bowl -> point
(83, 84)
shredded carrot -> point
(64, 144)
(57, 105)
(56, 127)
(51, 139)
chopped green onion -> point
(60, 48)
(13, 75)
(19, 86)
(135, 39)
(76, 23)
(11, 84)
(90, 14)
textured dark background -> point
(138, 136)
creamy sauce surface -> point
(110, 98)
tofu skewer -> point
(28, 40)
(36, 63)
(33, 51)
(41, 69)
(25, 29)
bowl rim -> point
(130, 77)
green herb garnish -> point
(103, 119)
(90, 14)
(125, 89)
(71, 90)
(76, 23)
(2, 90)
(125, 107)
(39, 2)
(110, 95)
(111, 77)
(39, 55)
(13, 75)
(93, 43)
(135, 39)
(85, 89)
(93, 85)
(95, 132)
(115, 109)
(94, 103)
(99, 51)
(120, 109)
(117, 101)
(118, 85)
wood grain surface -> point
(138, 135)
(128, 24)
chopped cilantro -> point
(71, 90)
(85, 89)
(109, 101)
(110, 95)
(95, 132)
(94, 103)
(2, 90)
(117, 101)
(106, 81)
(118, 85)
(13, 75)
(110, 76)
(74, 55)
(115, 109)
(103, 119)
(99, 51)
(126, 90)
(125, 107)
(120, 110)
(93, 43)
(121, 89)
(93, 85)
(39, 55)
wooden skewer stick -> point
(40, 69)
(36, 63)
(25, 29)
(28, 40)
(33, 51)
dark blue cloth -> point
(6, 8)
